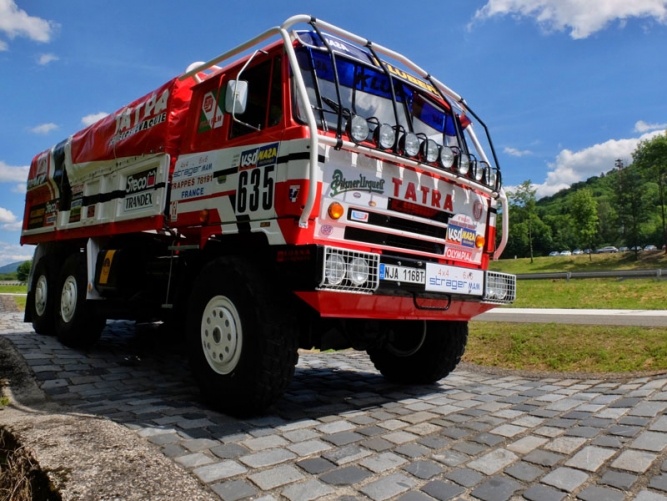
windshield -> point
(366, 91)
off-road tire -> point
(76, 325)
(42, 297)
(242, 338)
(442, 348)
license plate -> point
(402, 274)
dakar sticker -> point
(339, 184)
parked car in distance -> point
(636, 248)
(623, 249)
(577, 252)
(607, 250)
(650, 247)
(588, 251)
(565, 253)
(554, 253)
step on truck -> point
(306, 189)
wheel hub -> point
(221, 335)
(41, 294)
(68, 299)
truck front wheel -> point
(76, 325)
(418, 352)
(42, 296)
(243, 344)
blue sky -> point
(565, 87)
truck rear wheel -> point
(419, 351)
(242, 343)
(76, 325)
(42, 296)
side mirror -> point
(236, 97)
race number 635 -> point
(255, 189)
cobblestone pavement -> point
(342, 432)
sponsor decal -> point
(42, 170)
(356, 194)
(77, 203)
(339, 184)
(42, 215)
(258, 157)
(450, 279)
(411, 192)
(173, 211)
(106, 266)
(211, 115)
(357, 215)
(412, 79)
(138, 194)
(294, 192)
(461, 236)
(91, 211)
(326, 229)
(477, 210)
(145, 115)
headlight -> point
(464, 164)
(477, 170)
(491, 177)
(385, 136)
(357, 271)
(446, 157)
(358, 128)
(430, 150)
(335, 269)
(410, 144)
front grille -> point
(376, 237)
(399, 223)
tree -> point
(651, 158)
(632, 203)
(523, 203)
(23, 271)
(584, 211)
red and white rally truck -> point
(320, 191)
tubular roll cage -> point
(194, 69)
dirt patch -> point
(84, 456)
(21, 478)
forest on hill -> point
(623, 207)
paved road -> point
(642, 318)
(342, 432)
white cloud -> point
(45, 59)
(91, 119)
(581, 17)
(20, 188)
(3, 46)
(6, 216)
(9, 174)
(642, 126)
(44, 128)
(572, 167)
(517, 153)
(11, 253)
(16, 22)
(15, 226)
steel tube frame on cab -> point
(315, 137)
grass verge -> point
(596, 262)
(567, 348)
(644, 294)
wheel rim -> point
(68, 299)
(41, 295)
(406, 344)
(221, 335)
